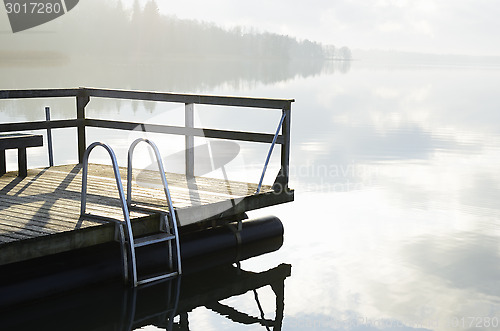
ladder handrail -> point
(165, 188)
(125, 209)
(270, 152)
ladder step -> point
(157, 277)
(93, 217)
(148, 209)
(153, 239)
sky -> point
(430, 26)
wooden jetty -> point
(40, 212)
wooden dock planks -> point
(39, 214)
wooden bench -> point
(20, 141)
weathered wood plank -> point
(46, 213)
(174, 180)
(10, 216)
(104, 187)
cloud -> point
(423, 27)
(390, 26)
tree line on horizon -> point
(174, 36)
(169, 35)
(108, 29)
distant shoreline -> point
(412, 57)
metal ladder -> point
(124, 227)
(168, 225)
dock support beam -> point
(82, 100)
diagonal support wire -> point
(270, 152)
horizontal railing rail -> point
(37, 125)
(39, 93)
(190, 98)
(180, 130)
(148, 96)
(83, 96)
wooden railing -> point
(83, 96)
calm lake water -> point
(395, 223)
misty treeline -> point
(153, 33)
(111, 29)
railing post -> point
(49, 137)
(82, 99)
(281, 182)
(189, 123)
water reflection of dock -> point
(166, 305)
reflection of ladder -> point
(151, 304)
(168, 228)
